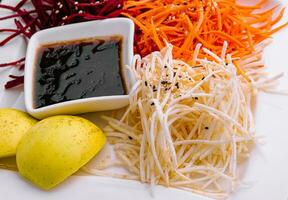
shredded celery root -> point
(189, 126)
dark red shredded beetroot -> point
(15, 63)
(52, 13)
(17, 80)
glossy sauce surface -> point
(78, 69)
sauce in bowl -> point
(79, 69)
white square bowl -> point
(100, 28)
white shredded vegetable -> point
(189, 126)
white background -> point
(265, 178)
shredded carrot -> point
(185, 23)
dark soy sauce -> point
(78, 69)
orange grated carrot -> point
(185, 23)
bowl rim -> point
(31, 56)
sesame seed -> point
(177, 85)
(165, 82)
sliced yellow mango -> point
(57, 147)
(13, 126)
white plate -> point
(265, 178)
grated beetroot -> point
(16, 81)
(52, 13)
(15, 63)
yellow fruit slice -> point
(13, 126)
(57, 147)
